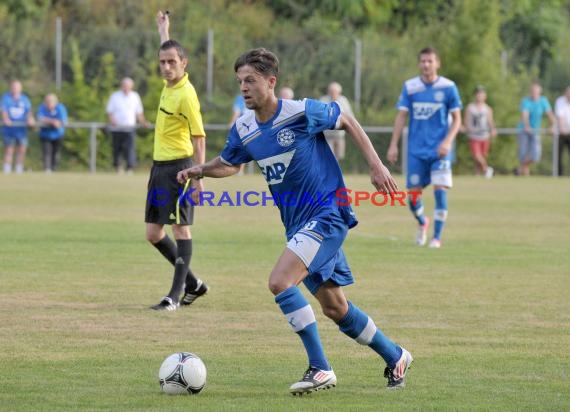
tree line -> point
(501, 44)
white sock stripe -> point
(367, 334)
(301, 318)
(419, 211)
(440, 214)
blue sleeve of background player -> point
(403, 101)
(5, 103)
(454, 100)
(321, 116)
(234, 152)
(546, 104)
(62, 113)
(28, 104)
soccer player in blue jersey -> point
(285, 138)
(428, 99)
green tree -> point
(83, 105)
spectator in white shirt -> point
(124, 109)
(335, 138)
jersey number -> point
(311, 225)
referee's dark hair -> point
(173, 44)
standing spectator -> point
(52, 119)
(16, 107)
(562, 110)
(480, 127)
(335, 138)
(286, 93)
(533, 108)
(429, 99)
(124, 108)
(179, 142)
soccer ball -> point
(182, 372)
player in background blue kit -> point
(15, 106)
(285, 138)
(428, 99)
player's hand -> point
(162, 22)
(444, 149)
(199, 186)
(189, 173)
(382, 180)
(392, 154)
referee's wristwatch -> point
(200, 176)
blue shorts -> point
(529, 147)
(13, 140)
(422, 172)
(319, 245)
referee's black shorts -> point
(165, 201)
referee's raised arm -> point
(163, 24)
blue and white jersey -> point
(17, 110)
(428, 106)
(58, 113)
(295, 159)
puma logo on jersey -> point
(274, 168)
(423, 111)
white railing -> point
(94, 126)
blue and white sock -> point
(440, 212)
(417, 209)
(360, 327)
(301, 317)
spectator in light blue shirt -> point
(533, 108)
(15, 108)
(52, 117)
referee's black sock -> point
(168, 249)
(181, 265)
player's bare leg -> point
(8, 158)
(416, 206)
(20, 156)
(356, 324)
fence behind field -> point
(380, 136)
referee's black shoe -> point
(166, 304)
(191, 295)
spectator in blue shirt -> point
(52, 117)
(533, 108)
(16, 108)
(238, 109)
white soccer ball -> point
(182, 372)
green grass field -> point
(487, 317)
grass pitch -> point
(487, 317)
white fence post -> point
(555, 143)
